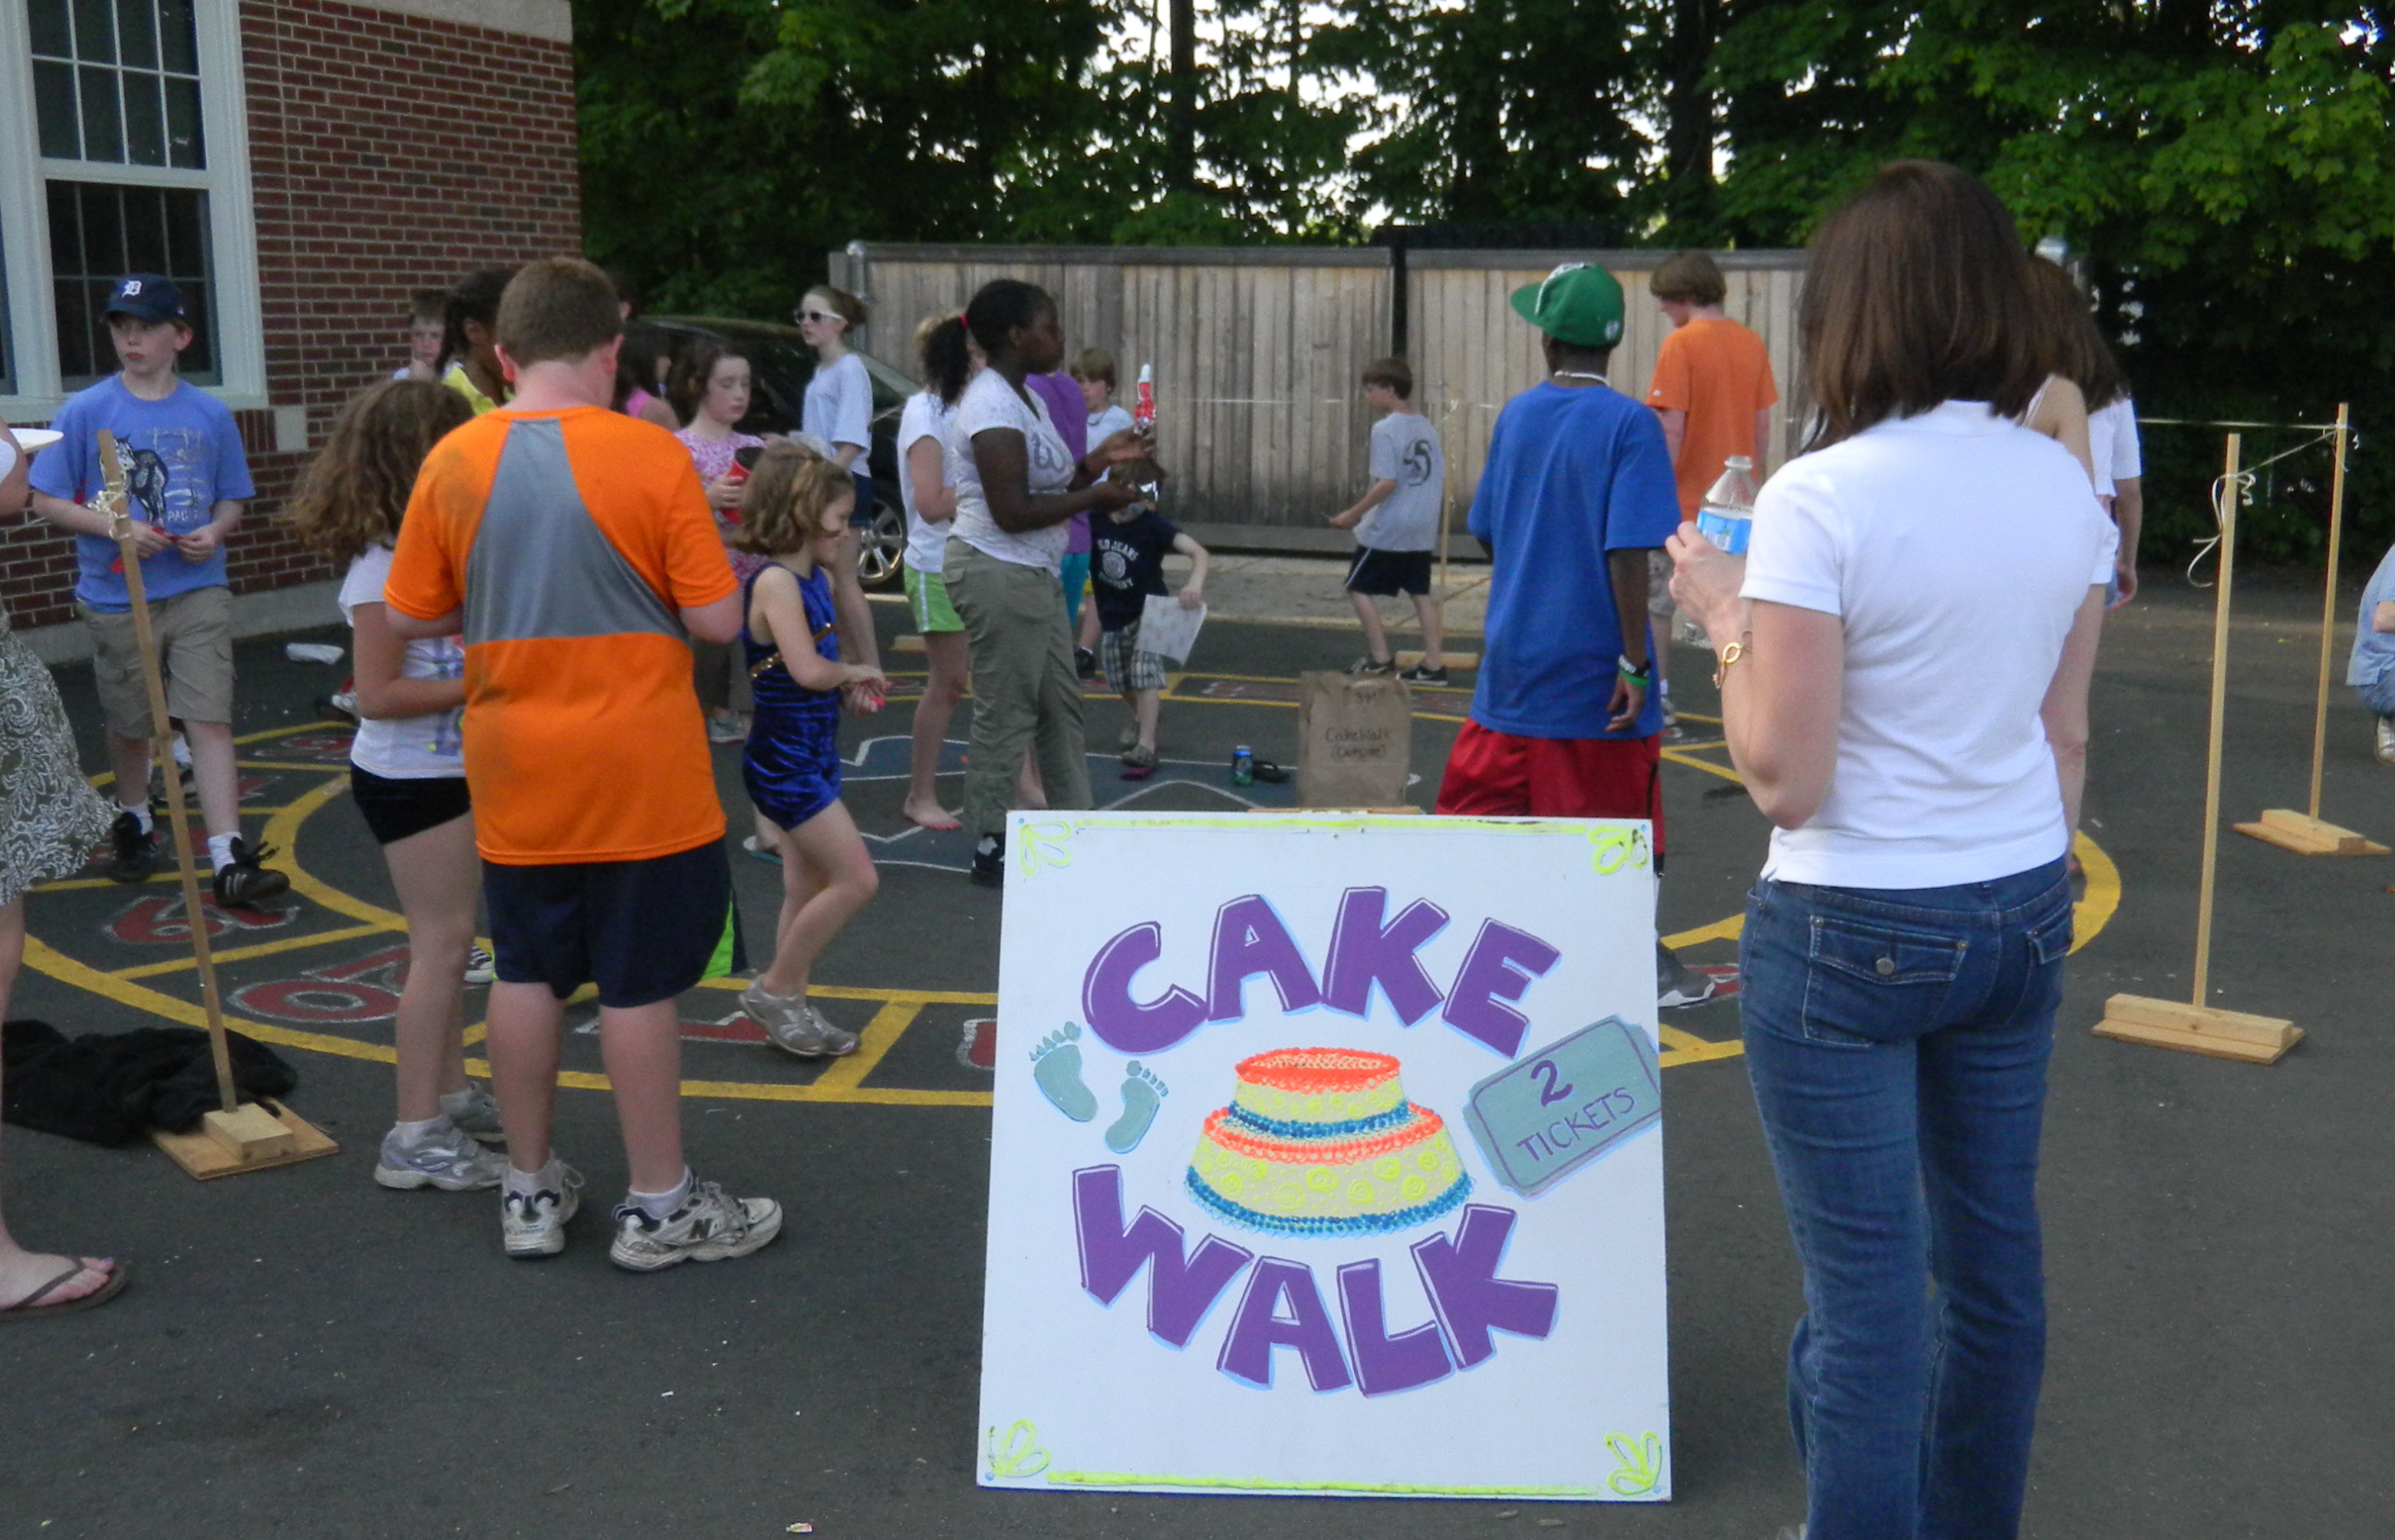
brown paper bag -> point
(1355, 740)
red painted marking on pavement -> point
(978, 1050)
(360, 989)
(159, 921)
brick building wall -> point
(389, 153)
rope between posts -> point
(2244, 492)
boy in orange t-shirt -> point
(574, 548)
(1713, 388)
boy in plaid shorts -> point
(1126, 566)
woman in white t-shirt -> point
(1016, 487)
(2079, 360)
(946, 355)
(407, 776)
(838, 409)
(1904, 655)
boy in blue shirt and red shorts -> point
(1577, 489)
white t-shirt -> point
(1957, 548)
(1105, 425)
(1405, 450)
(990, 402)
(406, 748)
(839, 403)
(2112, 443)
(925, 416)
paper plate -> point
(32, 438)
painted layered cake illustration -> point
(1323, 1143)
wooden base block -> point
(1457, 662)
(2198, 1029)
(249, 1133)
(206, 1154)
(2290, 830)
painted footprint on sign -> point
(1056, 1068)
(1141, 1094)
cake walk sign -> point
(1327, 1160)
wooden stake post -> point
(237, 1136)
(2304, 832)
(2198, 1027)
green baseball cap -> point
(1577, 305)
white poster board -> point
(1327, 1160)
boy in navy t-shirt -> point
(1126, 566)
(1577, 489)
(185, 480)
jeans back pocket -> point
(1872, 981)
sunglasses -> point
(820, 315)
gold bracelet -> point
(1729, 657)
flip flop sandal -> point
(1268, 771)
(32, 1306)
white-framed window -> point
(123, 147)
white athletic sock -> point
(414, 1134)
(140, 811)
(220, 850)
(660, 1205)
(530, 1182)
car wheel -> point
(883, 555)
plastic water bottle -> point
(1143, 414)
(1727, 517)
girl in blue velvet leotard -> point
(794, 511)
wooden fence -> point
(1257, 350)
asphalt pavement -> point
(302, 1354)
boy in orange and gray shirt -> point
(1713, 388)
(574, 548)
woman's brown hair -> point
(850, 309)
(782, 505)
(2073, 346)
(354, 493)
(1918, 292)
(692, 367)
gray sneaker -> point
(709, 1227)
(1677, 984)
(794, 1026)
(447, 1158)
(533, 1224)
(479, 1116)
(2385, 750)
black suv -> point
(780, 363)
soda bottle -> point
(1243, 766)
(1727, 517)
(1143, 414)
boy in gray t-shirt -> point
(1398, 523)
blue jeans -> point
(1898, 1042)
(2379, 694)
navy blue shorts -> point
(1378, 572)
(641, 930)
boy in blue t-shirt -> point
(185, 481)
(1577, 489)
(2371, 667)
(1127, 551)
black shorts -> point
(1379, 571)
(641, 930)
(396, 807)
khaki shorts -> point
(195, 636)
(1659, 585)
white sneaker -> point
(447, 1157)
(478, 1114)
(711, 1226)
(2385, 750)
(794, 1026)
(480, 967)
(533, 1224)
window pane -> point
(95, 23)
(145, 119)
(184, 147)
(49, 27)
(177, 40)
(54, 101)
(103, 135)
(100, 233)
(136, 33)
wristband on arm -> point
(1635, 675)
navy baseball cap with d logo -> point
(146, 297)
